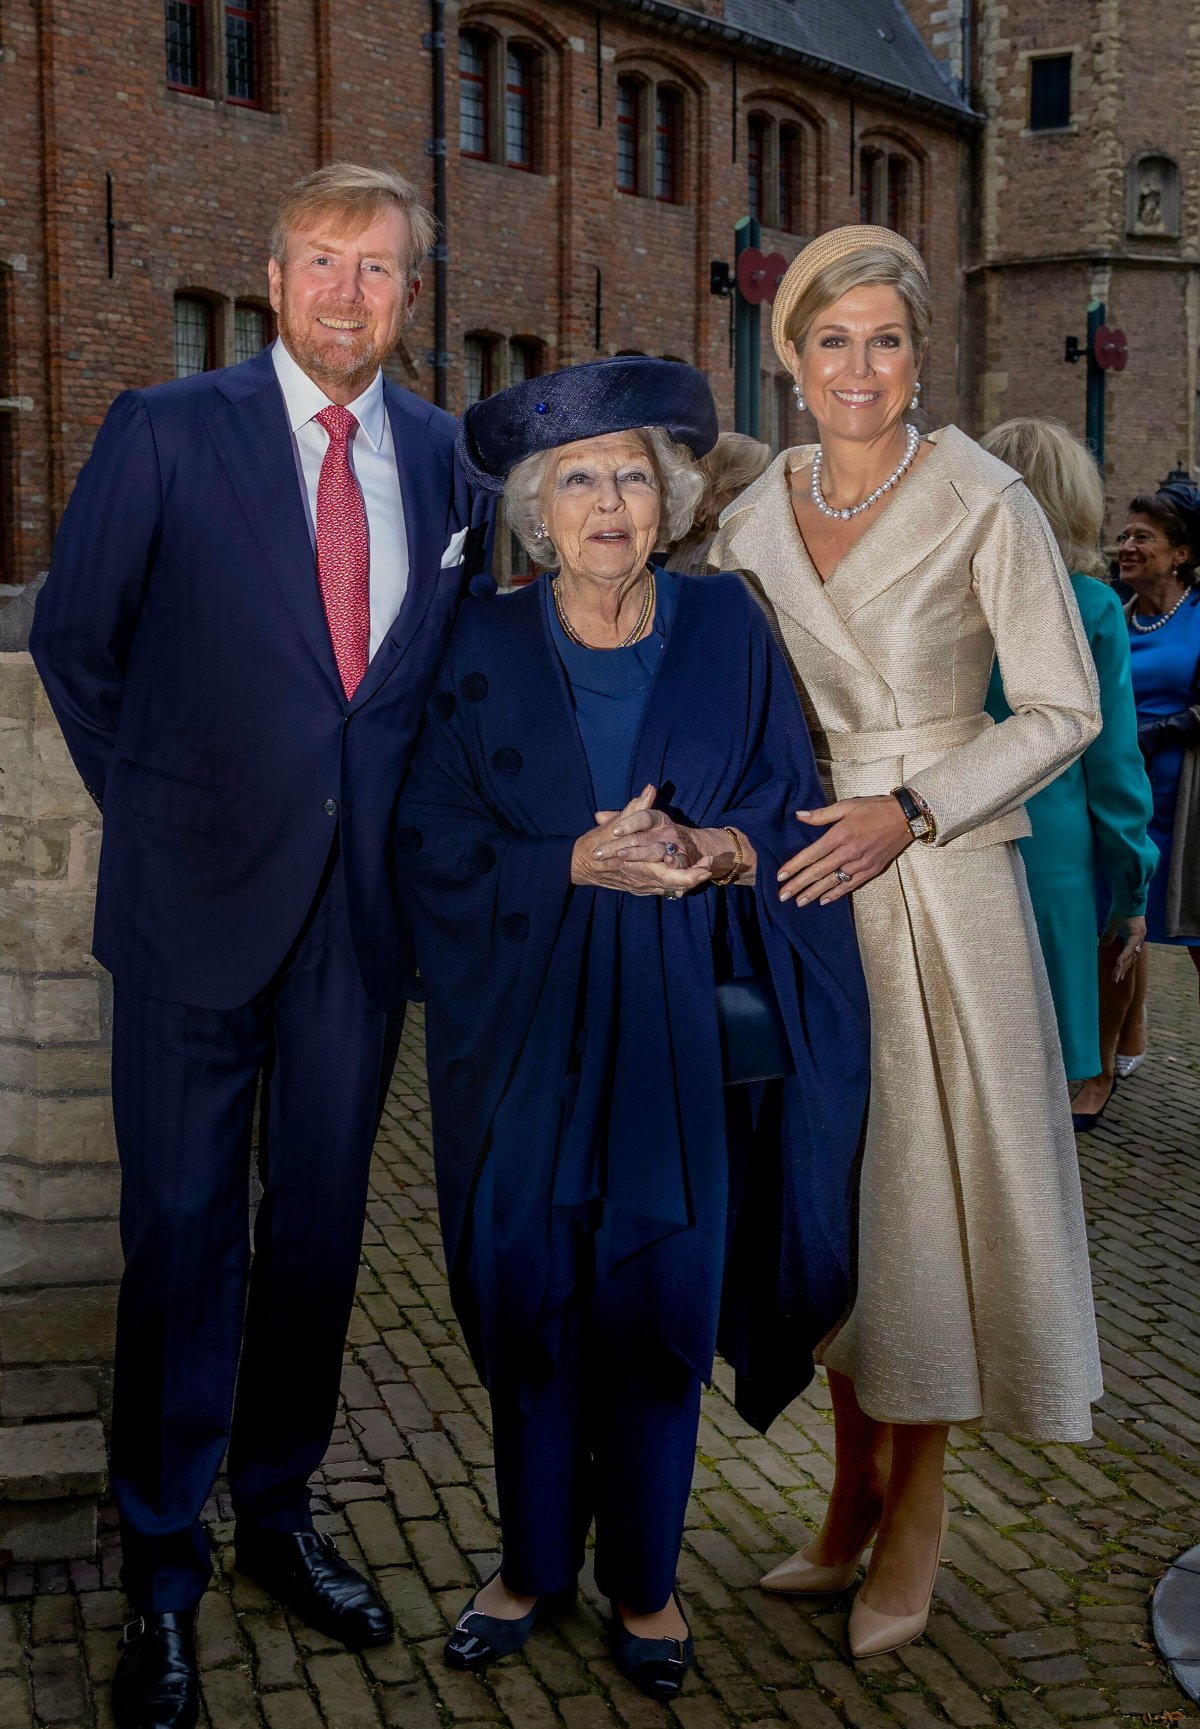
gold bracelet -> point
(738, 862)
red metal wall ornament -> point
(759, 275)
(1111, 349)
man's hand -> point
(863, 837)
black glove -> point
(1172, 729)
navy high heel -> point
(1083, 1122)
(655, 1666)
(480, 1639)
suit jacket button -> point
(330, 807)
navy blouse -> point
(608, 692)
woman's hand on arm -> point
(862, 837)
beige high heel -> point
(800, 1577)
(871, 1633)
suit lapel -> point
(254, 446)
(926, 508)
(425, 488)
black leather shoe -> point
(1083, 1122)
(304, 1572)
(655, 1666)
(156, 1684)
(480, 1639)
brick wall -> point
(194, 180)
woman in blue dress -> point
(1159, 550)
(1095, 814)
(629, 1170)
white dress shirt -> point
(373, 459)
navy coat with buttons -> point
(572, 1032)
(183, 643)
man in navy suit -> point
(250, 593)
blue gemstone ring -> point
(672, 849)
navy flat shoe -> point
(1083, 1122)
(480, 1639)
(655, 1666)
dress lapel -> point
(254, 445)
(425, 488)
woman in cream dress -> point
(894, 576)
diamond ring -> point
(842, 876)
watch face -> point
(919, 825)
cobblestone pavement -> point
(1041, 1614)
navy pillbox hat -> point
(1184, 499)
(617, 395)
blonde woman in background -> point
(896, 570)
(1098, 810)
(734, 462)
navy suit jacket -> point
(183, 644)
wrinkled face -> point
(343, 298)
(1144, 552)
(601, 504)
(859, 366)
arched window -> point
(667, 104)
(193, 335)
(242, 78)
(888, 188)
(791, 182)
(756, 158)
(478, 367)
(897, 193)
(253, 328)
(629, 131)
(473, 94)
(184, 21)
(518, 107)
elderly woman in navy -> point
(647, 1074)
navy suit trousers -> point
(199, 1319)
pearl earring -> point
(798, 394)
(916, 395)
(539, 532)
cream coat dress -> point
(973, 1300)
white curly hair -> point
(680, 481)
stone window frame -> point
(779, 117)
(1171, 229)
(212, 17)
(649, 77)
(498, 34)
(884, 151)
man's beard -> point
(332, 364)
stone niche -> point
(59, 1248)
(1152, 197)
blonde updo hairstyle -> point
(859, 256)
(1061, 472)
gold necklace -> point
(638, 630)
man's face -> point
(342, 298)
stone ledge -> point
(52, 1461)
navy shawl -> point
(571, 1032)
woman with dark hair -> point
(1159, 551)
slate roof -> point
(876, 38)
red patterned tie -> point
(343, 550)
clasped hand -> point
(863, 836)
(641, 851)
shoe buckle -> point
(676, 1662)
(326, 1541)
(133, 1630)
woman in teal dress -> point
(1096, 815)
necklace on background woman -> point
(1159, 622)
(647, 614)
(897, 474)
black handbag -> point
(754, 1044)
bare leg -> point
(666, 1623)
(862, 1450)
(496, 1599)
(902, 1562)
(1122, 1024)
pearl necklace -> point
(1145, 629)
(638, 630)
(897, 474)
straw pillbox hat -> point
(827, 249)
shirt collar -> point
(303, 398)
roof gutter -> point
(697, 24)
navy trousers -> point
(195, 1318)
(609, 1434)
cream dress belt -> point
(933, 736)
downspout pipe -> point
(441, 254)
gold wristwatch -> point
(917, 814)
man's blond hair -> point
(357, 196)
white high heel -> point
(1123, 1067)
(871, 1633)
(800, 1577)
